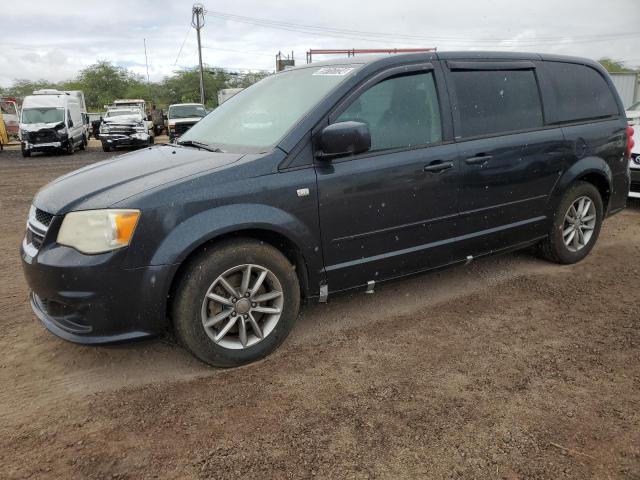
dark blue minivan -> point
(324, 178)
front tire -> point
(70, 148)
(105, 147)
(236, 302)
(25, 153)
(576, 225)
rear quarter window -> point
(491, 102)
(578, 92)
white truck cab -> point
(133, 103)
(182, 116)
(125, 126)
(51, 120)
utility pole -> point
(197, 21)
(146, 61)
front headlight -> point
(104, 129)
(98, 231)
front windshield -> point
(635, 106)
(43, 115)
(186, 111)
(119, 113)
(263, 113)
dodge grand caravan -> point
(370, 171)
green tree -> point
(104, 82)
(22, 87)
(184, 86)
(614, 66)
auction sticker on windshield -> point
(334, 71)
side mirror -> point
(344, 138)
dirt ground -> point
(509, 368)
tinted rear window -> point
(579, 92)
(492, 102)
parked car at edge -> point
(11, 114)
(370, 171)
(51, 120)
(633, 117)
(125, 127)
(182, 116)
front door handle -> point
(479, 159)
(438, 166)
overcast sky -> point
(54, 40)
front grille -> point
(122, 129)
(43, 217)
(635, 187)
(34, 239)
(43, 136)
(64, 316)
(37, 226)
(183, 127)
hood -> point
(134, 118)
(35, 127)
(185, 120)
(105, 183)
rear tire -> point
(574, 232)
(251, 304)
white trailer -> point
(226, 93)
(628, 87)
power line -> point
(377, 36)
(182, 46)
(250, 52)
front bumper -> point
(94, 299)
(42, 147)
(634, 190)
(117, 140)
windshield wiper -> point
(203, 146)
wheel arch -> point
(593, 170)
(276, 239)
(600, 181)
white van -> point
(51, 120)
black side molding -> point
(480, 65)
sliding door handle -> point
(479, 159)
(438, 166)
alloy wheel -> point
(579, 224)
(242, 306)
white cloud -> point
(54, 43)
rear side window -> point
(401, 112)
(491, 102)
(579, 92)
